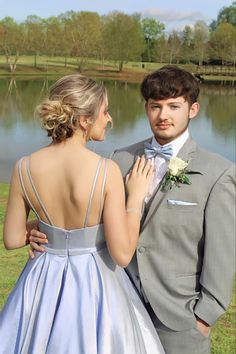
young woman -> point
(75, 298)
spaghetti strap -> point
(103, 187)
(36, 192)
(92, 191)
(24, 189)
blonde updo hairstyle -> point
(69, 98)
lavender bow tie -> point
(152, 151)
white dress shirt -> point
(161, 164)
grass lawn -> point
(55, 66)
(12, 262)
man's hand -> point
(203, 327)
(36, 238)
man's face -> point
(170, 117)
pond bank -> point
(128, 74)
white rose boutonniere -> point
(177, 173)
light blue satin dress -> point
(73, 299)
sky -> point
(175, 14)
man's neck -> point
(177, 143)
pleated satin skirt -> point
(73, 299)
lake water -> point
(20, 132)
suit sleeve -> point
(219, 253)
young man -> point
(184, 262)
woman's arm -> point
(14, 229)
(121, 226)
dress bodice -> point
(73, 242)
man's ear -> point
(194, 110)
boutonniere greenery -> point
(177, 173)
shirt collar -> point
(176, 143)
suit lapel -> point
(186, 153)
(188, 150)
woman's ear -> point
(84, 122)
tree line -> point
(119, 37)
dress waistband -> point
(74, 251)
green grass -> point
(12, 262)
(55, 66)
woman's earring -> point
(109, 125)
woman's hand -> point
(138, 180)
(36, 239)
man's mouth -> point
(164, 125)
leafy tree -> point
(160, 52)
(152, 31)
(174, 45)
(187, 44)
(123, 38)
(223, 43)
(201, 35)
(53, 36)
(66, 43)
(12, 41)
(84, 29)
(35, 35)
(227, 14)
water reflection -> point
(18, 98)
(125, 104)
(20, 132)
(221, 109)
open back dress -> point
(73, 298)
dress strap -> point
(24, 189)
(92, 191)
(103, 188)
(36, 192)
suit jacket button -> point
(141, 250)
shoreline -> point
(128, 74)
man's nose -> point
(163, 113)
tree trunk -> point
(121, 65)
(8, 61)
(80, 65)
(35, 59)
(148, 50)
(15, 61)
(12, 65)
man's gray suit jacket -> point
(185, 255)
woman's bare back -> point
(64, 177)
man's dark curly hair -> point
(170, 82)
